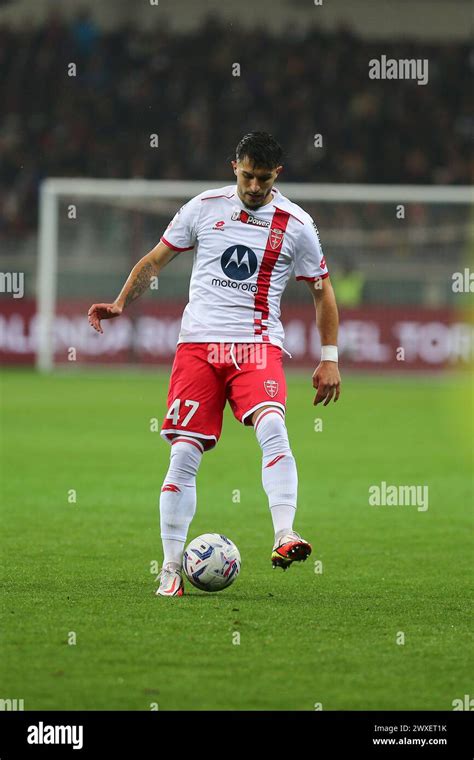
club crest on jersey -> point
(276, 238)
(271, 387)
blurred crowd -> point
(130, 84)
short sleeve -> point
(181, 232)
(310, 263)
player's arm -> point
(326, 378)
(136, 284)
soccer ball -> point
(211, 562)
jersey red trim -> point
(174, 247)
(289, 213)
(313, 279)
(273, 247)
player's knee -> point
(185, 458)
(262, 410)
(272, 434)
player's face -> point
(254, 185)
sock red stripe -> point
(274, 461)
(268, 411)
(188, 440)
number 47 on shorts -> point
(174, 411)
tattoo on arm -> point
(141, 283)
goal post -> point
(162, 197)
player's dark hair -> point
(261, 149)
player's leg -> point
(177, 509)
(258, 397)
(279, 473)
(280, 482)
(193, 423)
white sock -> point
(178, 499)
(279, 474)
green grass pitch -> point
(306, 637)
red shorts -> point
(206, 375)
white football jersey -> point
(243, 259)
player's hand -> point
(327, 381)
(100, 311)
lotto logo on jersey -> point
(271, 387)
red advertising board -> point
(370, 338)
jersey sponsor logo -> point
(323, 263)
(276, 238)
(239, 262)
(234, 285)
(246, 218)
(271, 387)
(219, 225)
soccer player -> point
(247, 240)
